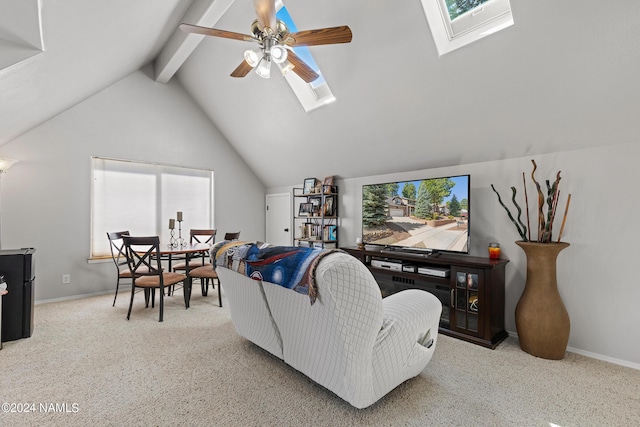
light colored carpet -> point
(193, 369)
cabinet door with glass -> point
(467, 301)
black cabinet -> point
(18, 268)
(471, 289)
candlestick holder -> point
(173, 243)
(181, 241)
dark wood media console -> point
(471, 289)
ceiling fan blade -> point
(242, 70)
(301, 68)
(189, 28)
(266, 11)
(319, 37)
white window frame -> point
(486, 19)
(310, 97)
(158, 191)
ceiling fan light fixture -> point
(252, 57)
(276, 43)
(285, 67)
(255, 29)
(264, 68)
(278, 54)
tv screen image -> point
(430, 215)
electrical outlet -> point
(66, 279)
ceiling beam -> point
(204, 13)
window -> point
(456, 23)
(142, 197)
(311, 95)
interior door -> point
(278, 217)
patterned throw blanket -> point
(291, 267)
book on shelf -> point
(330, 232)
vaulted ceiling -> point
(563, 77)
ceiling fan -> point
(275, 43)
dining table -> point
(190, 252)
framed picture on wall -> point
(309, 185)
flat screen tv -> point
(421, 216)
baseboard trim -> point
(596, 356)
(72, 297)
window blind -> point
(142, 197)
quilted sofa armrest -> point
(412, 313)
(407, 340)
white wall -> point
(46, 196)
(595, 274)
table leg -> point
(187, 283)
(170, 288)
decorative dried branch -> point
(552, 201)
(513, 199)
(546, 235)
(523, 233)
(564, 219)
(556, 199)
(526, 202)
(541, 225)
(545, 220)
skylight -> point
(456, 23)
(459, 7)
(302, 51)
(311, 95)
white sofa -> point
(350, 341)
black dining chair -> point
(143, 257)
(232, 236)
(116, 244)
(198, 236)
(206, 273)
(119, 258)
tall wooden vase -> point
(542, 320)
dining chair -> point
(143, 257)
(206, 273)
(232, 236)
(198, 236)
(119, 258)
